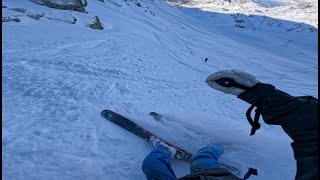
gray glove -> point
(231, 81)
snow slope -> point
(58, 76)
(303, 11)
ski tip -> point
(106, 111)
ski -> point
(141, 132)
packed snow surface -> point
(58, 75)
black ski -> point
(141, 132)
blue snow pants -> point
(157, 166)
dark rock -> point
(74, 5)
(138, 4)
(237, 25)
(18, 10)
(239, 21)
(96, 24)
(9, 19)
(35, 16)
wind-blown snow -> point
(57, 78)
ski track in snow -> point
(58, 77)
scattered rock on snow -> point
(18, 10)
(9, 19)
(239, 21)
(304, 5)
(138, 4)
(240, 26)
(74, 5)
(35, 16)
(96, 24)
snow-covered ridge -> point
(264, 15)
(291, 10)
(262, 3)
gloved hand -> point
(231, 81)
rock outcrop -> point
(96, 24)
(74, 5)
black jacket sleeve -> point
(298, 116)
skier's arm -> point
(298, 116)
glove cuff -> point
(258, 93)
